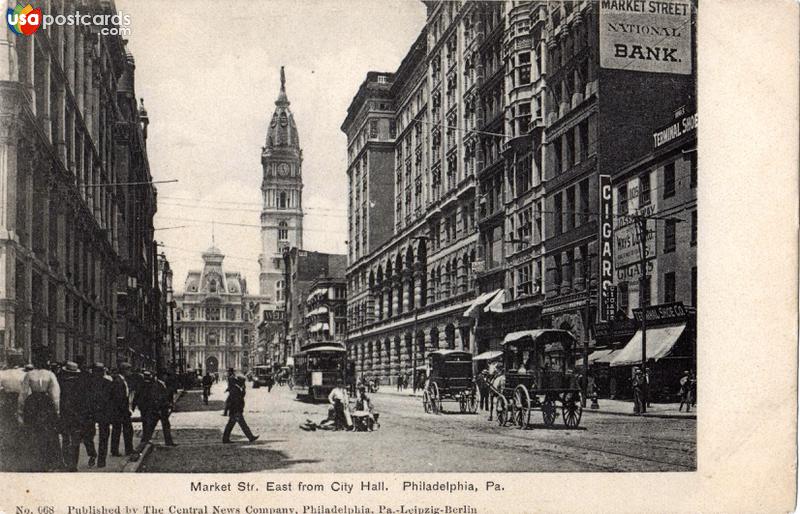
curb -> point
(647, 415)
(133, 467)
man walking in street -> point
(75, 414)
(152, 400)
(121, 410)
(207, 382)
(38, 407)
(100, 394)
(236, 392)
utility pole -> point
(587, 278)
(642, 222)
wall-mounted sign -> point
(606, 260)
(666, 312)
(274, 315)
(679, 127)
(646, 35)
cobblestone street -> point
(410, 440)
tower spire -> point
(282, 99)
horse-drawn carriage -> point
(539, 376)
(450, 379)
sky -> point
(209, 74)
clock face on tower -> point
(283, 169)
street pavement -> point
(410, 440)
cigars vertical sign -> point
(606, 250)
(646, 35)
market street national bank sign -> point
(646, 35)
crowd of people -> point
(49, 410)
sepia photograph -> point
(406, 236)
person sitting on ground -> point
(340, 402)
(364, 418)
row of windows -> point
(670, 290)
(211, 314)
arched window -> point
(191, 314)
(213, 336)
(279, 291)
(283, 231)
(283, 202)
(212, 286)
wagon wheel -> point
(472, 400)
(549, 411)
(571, 411)
(426, 401)
(501, 410)
(522, 399)
(436, 399)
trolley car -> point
(539, 376)
(317, 369)
(450, 379)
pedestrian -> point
(152, 400)
(76, 416)
(121, 410)
(638, 384)
(365, 419)
(341, 406)
(270, 382)
(647, 394)
(498, 384)
(483, 389)
(231, 380)
(208, 381)
(89, 432)
(100, 398)
(236, 393)
(693, 388)
(10, 386)
(38, 409)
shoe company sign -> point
(646, 35)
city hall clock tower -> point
(282, 197)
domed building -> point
(213, 319)
(282, 197)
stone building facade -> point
(282, 198)
(79, 271)
(213, 317)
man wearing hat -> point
(100, 399)
(121, 410)
(76, 416)
(153, 402)
(236, 392)
(638, 383)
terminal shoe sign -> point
(646, 35)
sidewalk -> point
(615, 407)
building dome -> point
(282, 130)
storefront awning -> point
(488, 356)
(541, 333)
(318, 310)
(477, 303)
(597, 355)
(496, 303)
(660, 341)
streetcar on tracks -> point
(539, 375)
(317, 368)
(450, 379)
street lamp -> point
(414, 331)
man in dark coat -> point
(100, 393)
(89, 432)
(236, 391)
(121, 410)
(153, 402)
(76, 416)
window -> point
(283, 231)
(213, 337)
(557, 215)
(622, 199)
(282, 202)
(644, 190)
(583, 140)
(382, 79)
(669, 180)
(192, 335)
(693, 169)
(557, 277)
(669, 287)
(622, 296)
(584, 206)
(392, 129)
(694, 286)
(191, 313)
(557, 155)
(279, 291)
(212, 313)
(373, 129)
(212, 286)
(693, 240)
(669, 236)
(231, 314)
